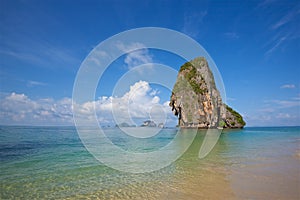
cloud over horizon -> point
(139, 103)
(19, 109)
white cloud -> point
(191, 23)
(98, 56)
(285, 30)
(276, 45)
(137, 54)
(230, 99)
(287, 18)
(232, 35)
(35, 83)
(296, 98)
(286, 103)
(275, 118)
(40, 53)
(266, 110)
(275, 113)
(20, 109)
(283, 116)
(279, 104)
(138, 104)
(288, 86)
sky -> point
(255, 45)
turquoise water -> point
(52, 163)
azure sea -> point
(53, 163)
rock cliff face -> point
(196, 101)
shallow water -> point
(51, 162)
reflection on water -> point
(52, 163)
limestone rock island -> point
(196, 101)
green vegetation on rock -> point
(238, 117)
(222, 123)
(190, 74)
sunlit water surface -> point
(52, 163)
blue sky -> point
(255, 45)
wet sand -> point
(274, 178)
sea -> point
(53, 163)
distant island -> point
(124, 124)
(147, 123)
(150, 123)
(196, 101)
